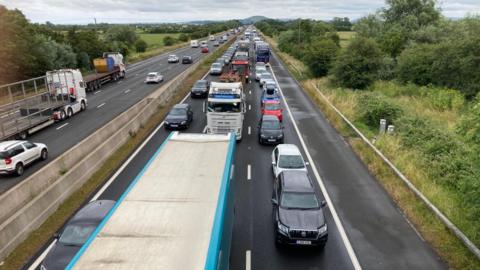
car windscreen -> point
(272, 106)
(266, 76)
(234, 107)
(200, 84)
(299, 200)
(270, 124)
(76, 234)
(216, 65)
(177, 112)
(152, 75)
(291, 162)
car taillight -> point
(8, 161)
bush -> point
(469, 126)
(183, 37)
(445, 99)
(141, 45)
(168, 41)
(319, 56)
(358, 64)
(371, 107)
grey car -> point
(200, 89)
(179, 117)
(298, 217)
(270, 130)
(75, 233)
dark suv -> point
(298, 217)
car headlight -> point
(167, 123)
(322, 229)
(282, 228)
(263, 136)
(183, 122)
(280, 136)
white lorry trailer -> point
(225, 108)
(176, 214)
(63, 96)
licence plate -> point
(271, 140)
(174, 125)
(302, 242)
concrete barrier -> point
(26, 206)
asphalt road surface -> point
(366, 229)
(103, 106)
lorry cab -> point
(117, 60)
(194, 43)
(67, 85)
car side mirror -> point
(307, 163)
(56, 235)
(274, 201)
(273, 163)
(323, 204)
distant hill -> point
(253, 19)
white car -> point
(154, 77)
(287, 157)
(173, 58)
(216, 69)
(270, 84)
(265, 77)
(16, 155)
(259, 70)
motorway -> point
(104, 105)
(366, 229)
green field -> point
(345, 37)
(155, 40)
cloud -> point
(125, 11)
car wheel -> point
(44, 154)
(83, 106)
(69, 112)
(62, 115)
(19, 169)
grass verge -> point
(447, 245)
(38, 238)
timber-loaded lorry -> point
(28, 106)
(108, 68)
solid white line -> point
(101, 105)
(64, 125)
(336, 218)
(126, 91)
(249, 130)
(97, 92)
(117, 173)
(249, 172)
(42, 256)
(248, 260)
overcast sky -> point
(150, 11)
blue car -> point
(269, 94)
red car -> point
(272, 107)
(205, 50)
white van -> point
(194, 43)
(211, 38)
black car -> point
(298, 217)
(187, 59)
(180, 117)
(270, 130)
(75, 233)
(200, 89)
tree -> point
(411, 14)
(168, 41)
(141, 45)
(122, 33)
(50, 55)
(183, 37)
(358, 64)
(319, 56)
(86, 42)
(342, 24)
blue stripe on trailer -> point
(115, 206)
(211, 262)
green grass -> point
(345, 37)
(448, 246)
(155, 40)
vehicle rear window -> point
(299, 200)
(5, 154)
(272, 106)
(270, 124)
(291, 162)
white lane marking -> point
(249, 130)
(204, 129)
(336, 218)
(250, 92)
(137, 74)
(231, 171)
(248, 260)
(101, 105)
(42, 256)
(249, 172)
(3, 116)
(126, 91)
(37, 262)
(62, 126)
(97, 92)
(249, 107)
(411, 225)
